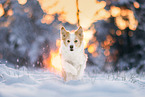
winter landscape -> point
(40, 82)
(114, 40)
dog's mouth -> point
(71, 49)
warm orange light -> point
(2, 12)
(121, 23)
(10, 12)
(67, 10)
(101, 15)
(48, 19)
(58, 43)
(106, 52)
(118, 32)
(107, 44)
(95, 11)
(133, 23)
(22, 2)
(132, 27)
(109, 38)
(136, 4)
(95, 54)
(90, 12)
(88, 35)
(92, 48)
(124, 12)
(115, 11)
(53, 62)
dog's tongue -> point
(71, 49)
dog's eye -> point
(68, 41)
(76, 41)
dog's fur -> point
(72, 54)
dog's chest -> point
(75, 58)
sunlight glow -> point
(2, 12)
(67, 10)
(136, 4)
(22, 2)
(90, 11)
(53, 62)
(10, 12)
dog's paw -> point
(74, 72)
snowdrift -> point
(41, 83)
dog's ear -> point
(64, 33)
(79, 32)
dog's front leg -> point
(81, 71)
(82, 68)
(69, 68)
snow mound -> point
(41, 83)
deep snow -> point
(41, 83)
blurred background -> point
(114, 32)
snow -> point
(41, 83)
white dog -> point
(72, 54)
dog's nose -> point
(71, 46)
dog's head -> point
(72, 40)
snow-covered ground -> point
(42, 83)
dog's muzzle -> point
(71, 48)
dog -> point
(73, 58)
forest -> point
(114, 40)
(113, 32)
